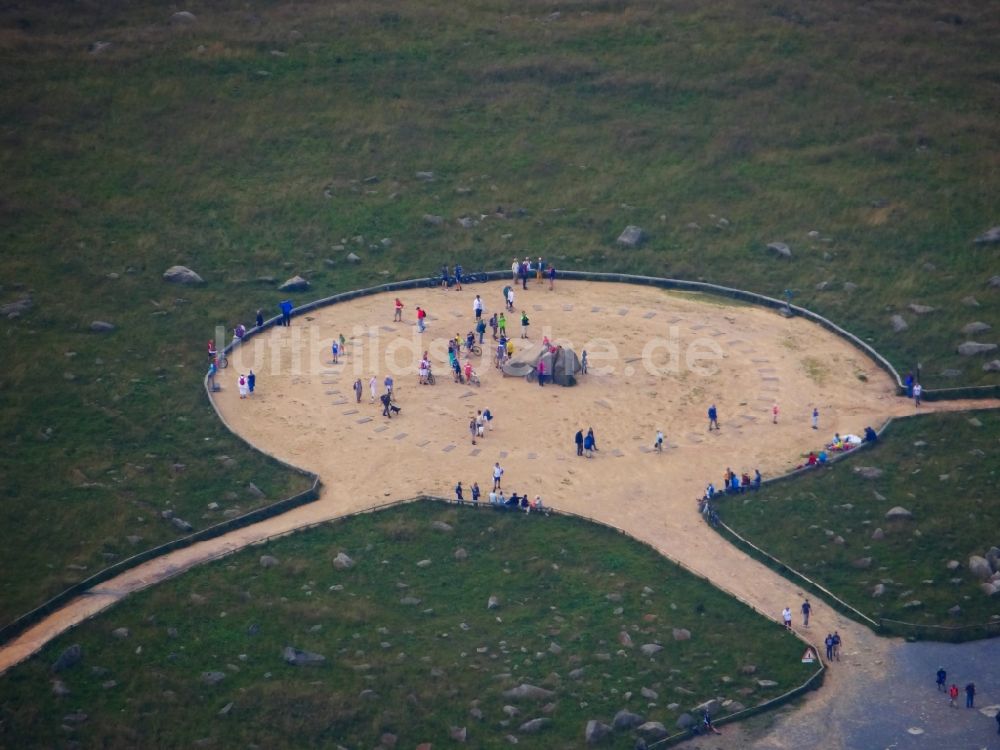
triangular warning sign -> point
(809, 656)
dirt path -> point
(304, 412)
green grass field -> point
(942, 469)
(268, 139)
(411, 648)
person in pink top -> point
(541, 372)
(774, 413)
(398, 316)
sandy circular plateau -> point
(657, 361)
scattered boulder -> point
(632, 236)
(970, 301)
(711, 707)
(990, 589)
(989, 237)
(183, 18)
(971, 329)
(102, 326)
(459, 734)
(425, 176)
(878, 535)
(980, 567)
(971, 348)
(433, 220)
(299, 658)
(898, 323)
(342, 561)
(868, 472)
(850, 286)
(921, 309)
(862, 563)
(913, 604)
(467, 222)
(649, 694)
(461, 554)
(68, 659)
(524, 691)
(294, 284)
(578, 673)
(681, 634)
(595, 732)
(625, 639)
(780, 249)
(879, 590)
(767, 683)
(409, 601)
(268, 561)
(182, 275)
(625, 720)
(494, 602)
(994, 282)
(212, 678)
(181, 525)
(748, 669)
(992, 366)
(423, 563)
(652, 730)
(955, 611)
(441, 526)
(650, 649)
(123, 633)
(685, 721)
(534, 726)
(899, 513)
(353, 258)
(953, 565)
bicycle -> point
(475, 349)
(221, 361)
(466, 278)
(473, 379)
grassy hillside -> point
(940, 468)
(410, 647)
(262, 139)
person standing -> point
(494, 324)
(774, 413)
(510, 299)
(458, 278)
(836, 645)
(524, 324)
(475, 494)
(502, 325)
(524, 270)
(242, 382)
(970, 695)
(212, 370)
(335, 350)
(472, 429)
(541, 372)
(552, 277)
(497, 473)
(593, 440)
(358, 390)
(481, 330)
(251, 382)
(583, 362)
(658, 445)
(539, 270)
(953, 695)
(388, 382)
(386, 399)
(458, 494)
(713, 418)
(515, 267)
(588, 444)
(942, 678)
(371, 386)
(918, 391)
(421, 319)
(909, 384)
(806, 609)
(815, 419)
(786, 616)
(286, 312)
(477, 307)
(260, 318)
(578, 439)
(397, 316)
(829, 646)
(480, 424)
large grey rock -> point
(433, 220)
(123, 633)
(652, 730)
(681, 634)
(878, 535)
(182, 275)
(650, 649)
(102, 326)
(980, 567)
(767, 683)
(181, 525)
(596, 732)
(353, 258)
(879, 590)
(183, 18)
(494, 602)
(711, 707)
(441, 526)
(898, 323)
(342, 561)
(862, 563)
(425, 176)
(992, 366)
(921, 309)
(970, 301)
(212, 678)
(971, 329)
(467, 222)
(649, 693)
(868, 472)
(409, 601)
(459, 734)
(780, 249)
(68, 659)
(993, 558)
(299, 658)
(534, 726)
(632, 236)
(989, 237)
(899, 513)
(625, 720)
(994, 282)
(685, 721)
(294, 284)
(17, 307)
(268, 561)
(971, 348)
(988, 588)
(524, 691)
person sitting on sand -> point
(710, 491)
(870, 435)
(514, 501)
(524, 502)
(811, 461)
(536, 504)
(756, 480)
(745, 482)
